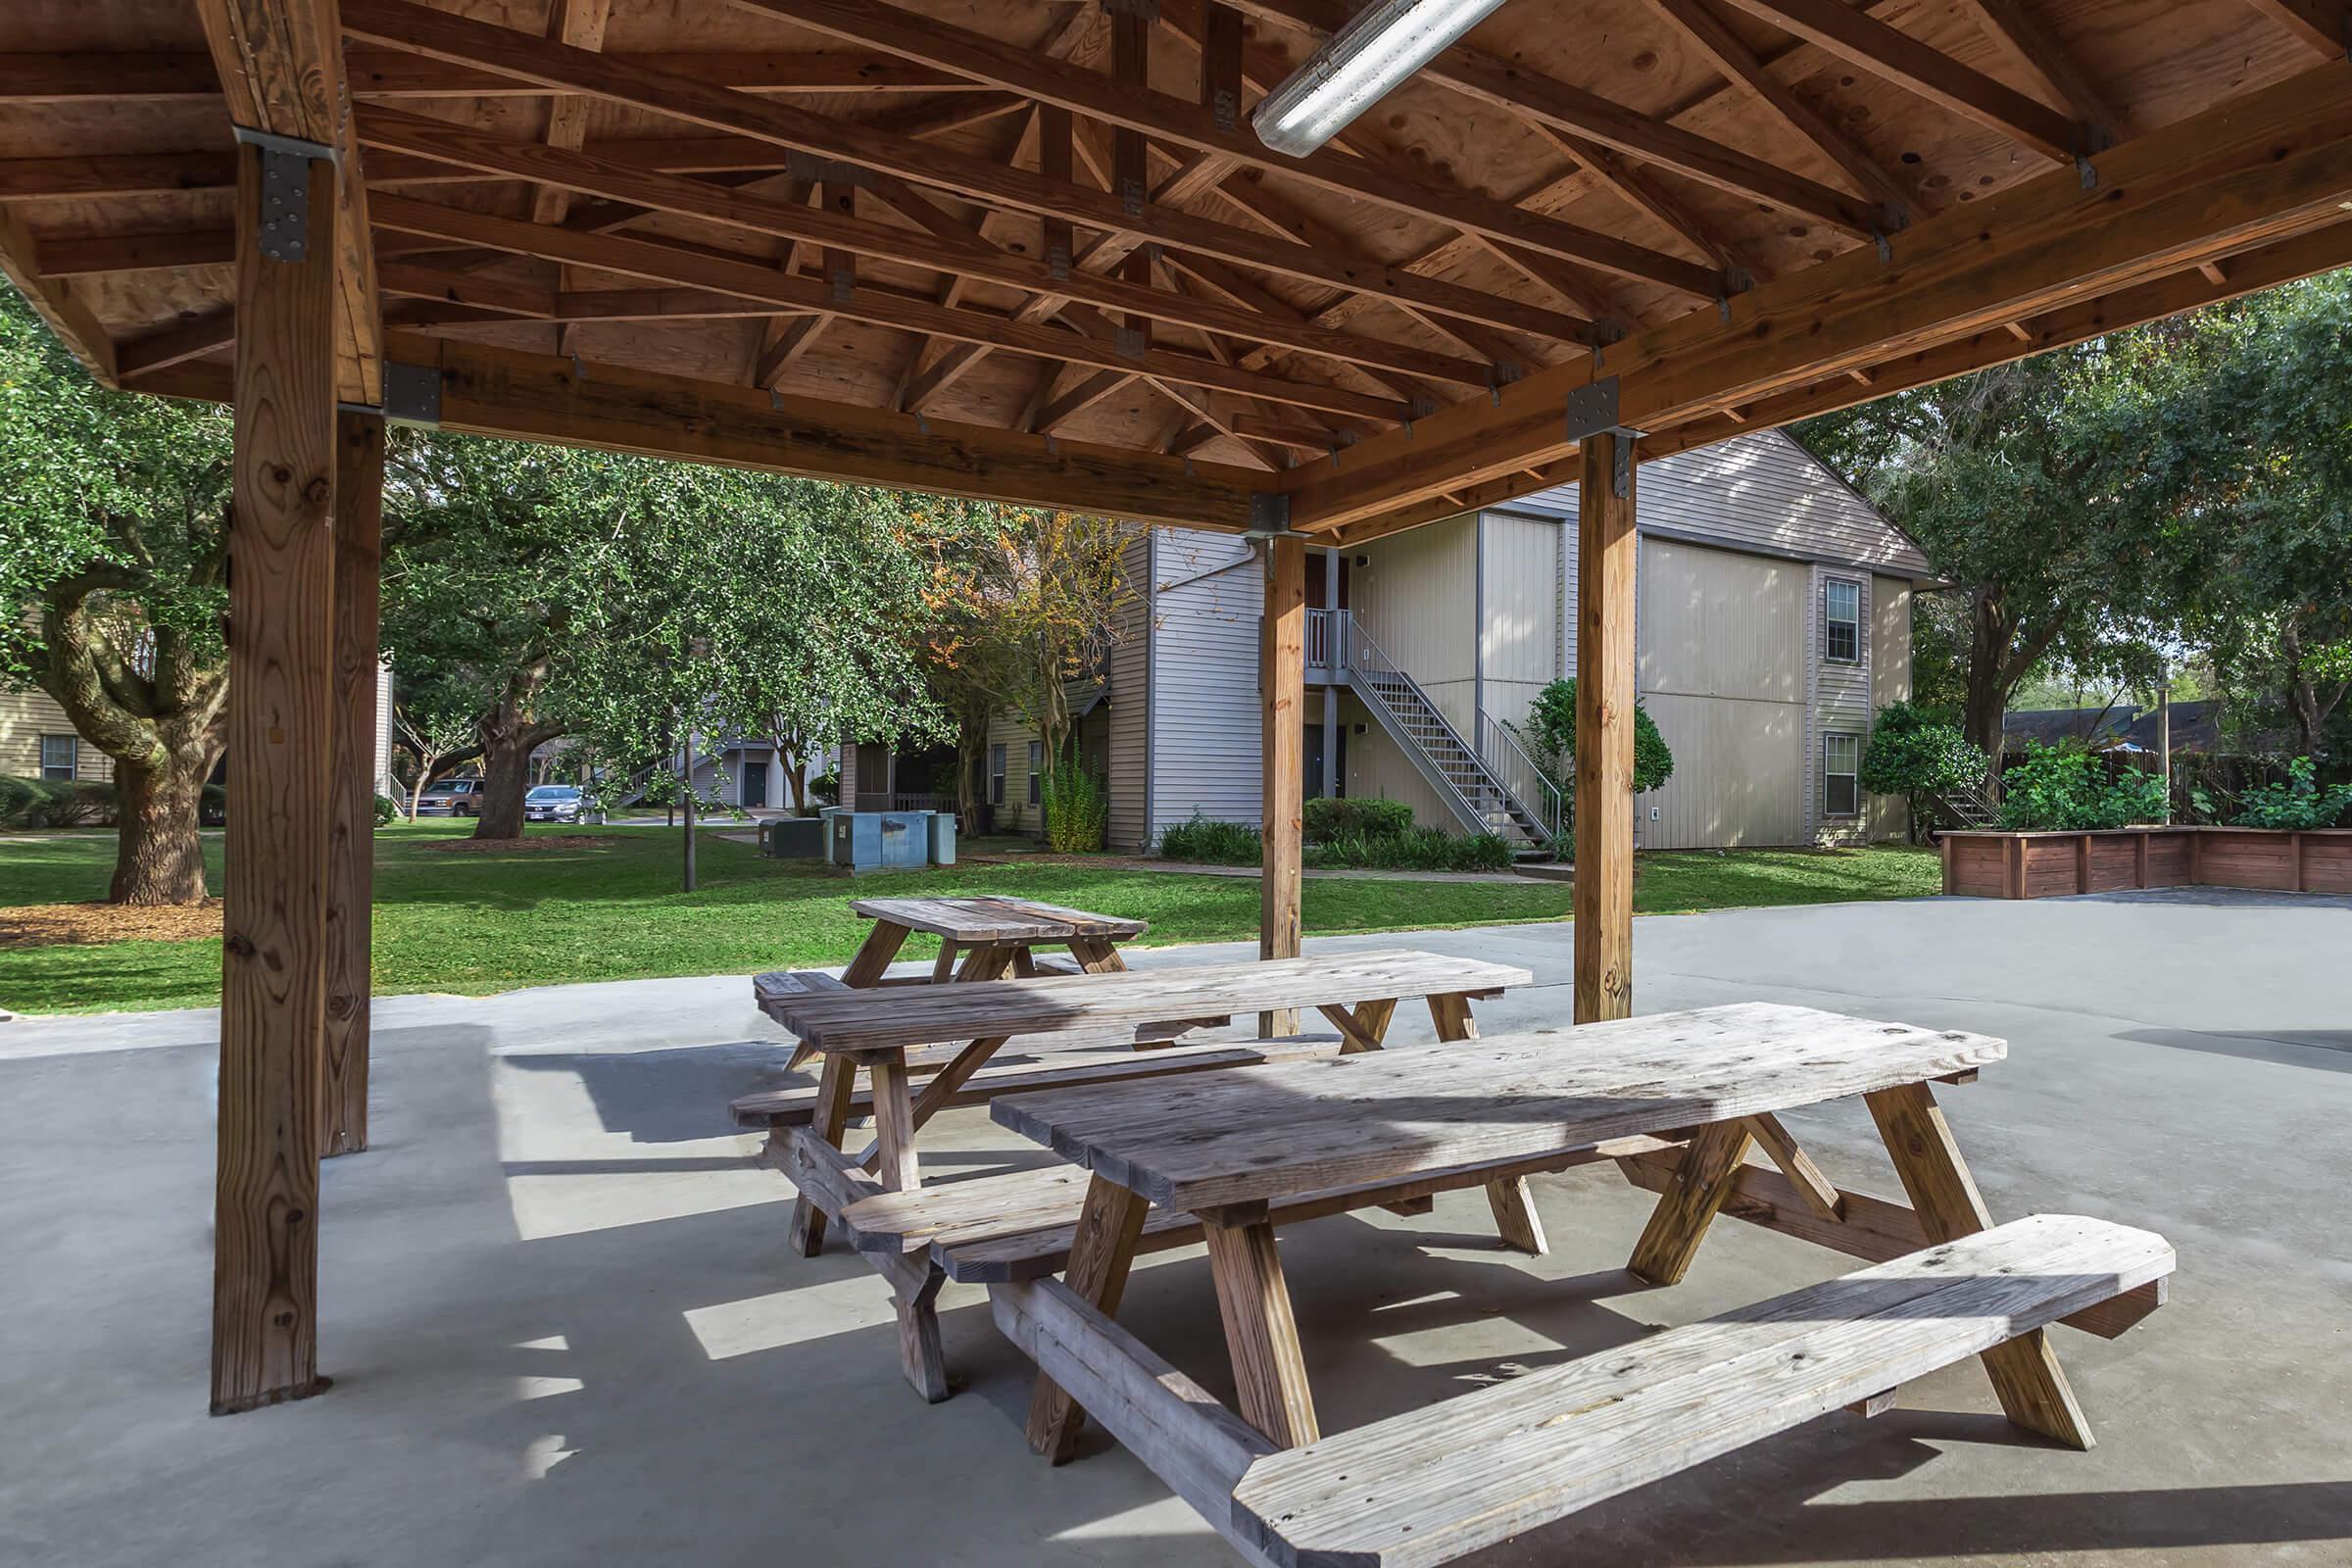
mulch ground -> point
(48, 925)
(543, 841)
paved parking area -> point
(563, 1329)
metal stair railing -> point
(1529, 790)
(1459, 775)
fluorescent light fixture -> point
(1358, 65)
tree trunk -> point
(506, 745)
(159, 857)
(1987, 699)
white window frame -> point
(1037, 775)
(73, 745)
(1828, 590)
(996, 775)
(1828, 774)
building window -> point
(1840, 769)
(1037, 772)
(1842, 621)
(58, 755)
(996, 775)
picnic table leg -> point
(1703, 1184)
(1024, 964)
(832, 1113)
(1097, 956)
(938, 1090)
(2026, 1376)
(1261, 1332)
(987, 962)
(1100, 1254)
(865, 971)
(944, 965)
(1361, 1027)
(920, 1355)
(1511, 1199)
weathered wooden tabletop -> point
(976, 920)
(1268, 1133)
(863, 1022)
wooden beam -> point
(2269, 165)
(55, 304)
(191, 339)
(1518, 91)
(1747, 73)
(2324, 26)
(535, 397)
(1894, 56)
(878, 25)
(946, 244)
(114, 174)
(581, 25)
(1607, 548)
(2018, 35)
(980, 179)
(280, 738)
(281, 65)
(676, 264)
(351, 780)
(172, 251)
(1282, 769)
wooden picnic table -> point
(876, 1029)
(991, 934)
(1679, 1101)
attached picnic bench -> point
(889, 1032)
(1678, 1101)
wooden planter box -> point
(2040, 865)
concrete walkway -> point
(565, 1333)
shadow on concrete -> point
(2287, 1048)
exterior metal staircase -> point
(1963, 809)
(1495, 787)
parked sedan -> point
(452, 797)
(553, 803)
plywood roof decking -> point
(1572, 175)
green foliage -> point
(2296, 805)
(1328, 818)
(387, 811)
(1414, 849)
(36, 803)
(2065, 788)
(1205, 842)
(825, 788)
(1552, 726)
(1915, 755)
(1077, 810)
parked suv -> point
(452, 797)
(553, 803)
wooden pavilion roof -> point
(1033, 250)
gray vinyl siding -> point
(1207, 599)
(1762, 492)
(1841, 700)
(1889, 816)
(1129, 778)
(1519, 634)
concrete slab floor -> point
(563, 1329)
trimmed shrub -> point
(1326, 820)
(24, 802)
(1551, 729)
(2064, 789)
(1211, 842)
(1077, 812)
(825, 788)
(1416, 849)
(387, 811)
(55, 803)
(1914, 755)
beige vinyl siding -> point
(1887, 816)
(1378, 770)
(25, 716)
(1519, 639)
(1417, 597)
(1017, 814)
(1130, 777)
(1721, 672)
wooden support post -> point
(2025, 1371)
(1101, 1253)
(280, 743)
(834, 1087)
(1282, 679)
(1606, 549)
(351, 845)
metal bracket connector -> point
(1592, 411)
(2086, 170)
(1269, 514)
(282, 225)
(1129, 341)
(1886, 247)
(1131, 197)
(1225, 109)
(411, 394)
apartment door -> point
(1313, 772)
(754, 784)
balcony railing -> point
(1326, 644)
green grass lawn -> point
(476, 923)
